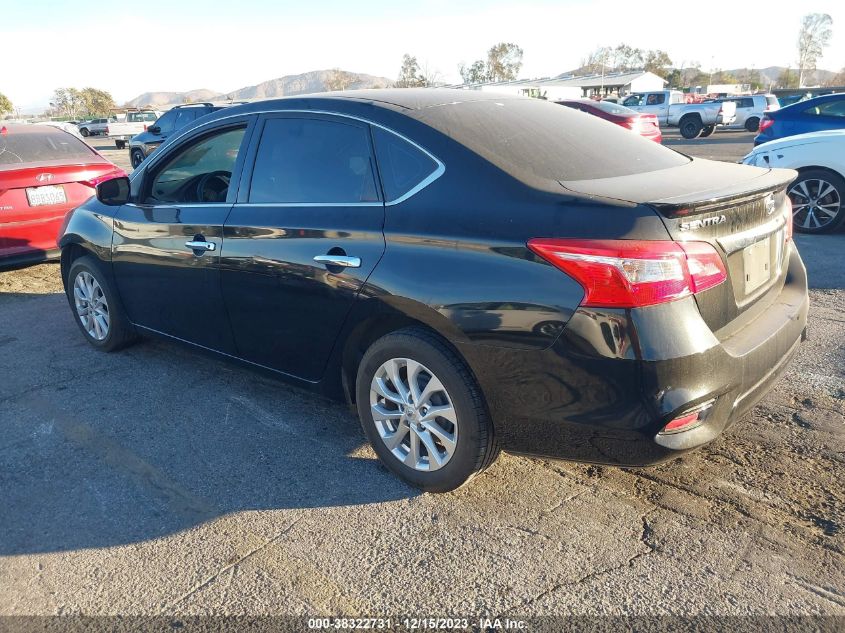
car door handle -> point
(198, 245)
(339, 260)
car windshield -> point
(531, 137)
(39, 144)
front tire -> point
(96, 307)
(120, 144)
(423, 411)
(817, 197)
(136, 157)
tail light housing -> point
(766, 123)
(634, 273)
(117, 172)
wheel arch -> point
(806, 168)
(372, 319)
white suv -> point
(750, 109)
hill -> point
(304, 83)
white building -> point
(568, 87)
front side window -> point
(200, 172)
(402, 166)
(313, 161)
(633, 100)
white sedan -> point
(818, 192)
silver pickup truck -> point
(693, 119)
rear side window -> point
(655, 99)
(829, 108)
(539, 139)
(771, 100)
(402, 165)
(184, 116)
(38, 144)
(313, 161)
(137, 117)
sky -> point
(132, 47)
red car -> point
(645, 125)
(44, 173)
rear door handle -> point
(339, 260)
(198, 245)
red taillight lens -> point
(96, 180)
(766, 123)
(629, 273)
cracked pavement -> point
(159, 481)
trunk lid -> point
(742, 211)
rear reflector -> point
(633, 273)
(689, 420)
(679, 424)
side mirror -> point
(154, 129)
(114, 192)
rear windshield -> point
(539, 138)
(613, 108)
(39, 144)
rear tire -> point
(690, 126)
(752, 124)
(707, 131)
(812, 213)
(397, 417)
(96, 307)
(120, 144)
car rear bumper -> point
(605, 390)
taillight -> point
(766, 123)
(689, 420)
(632, 273)
(96, 180)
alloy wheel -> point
(91, 305)
(413, 414)
(815, 203)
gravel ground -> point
(158, 481)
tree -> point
(475, 73)
(837, 80)
(788, 79)
(338, 79)
(5, 104)
(656, 61)
(504, 60)
(96, 102)
(813, 37)
(410, 75)
(67, 102)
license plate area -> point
(757, 264)
(43, 196)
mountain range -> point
(304, 83)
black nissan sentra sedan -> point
(474, 272)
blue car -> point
(810, 115)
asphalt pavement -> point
(159, 481)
